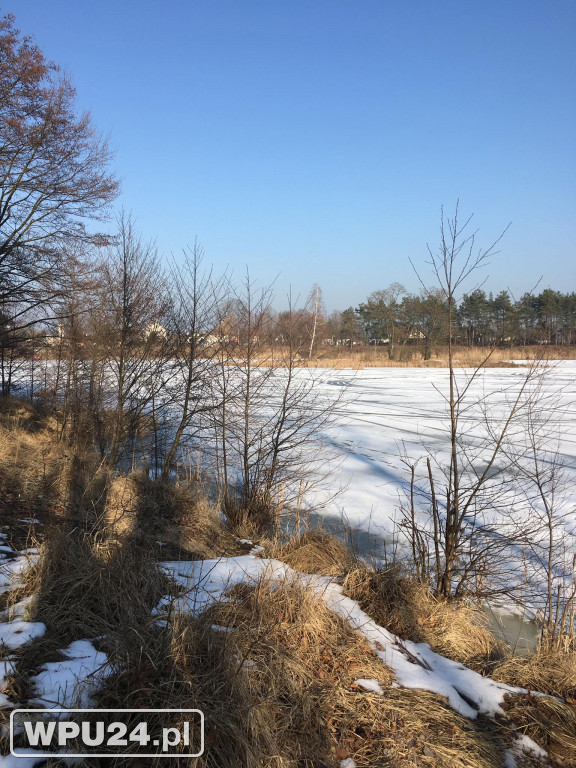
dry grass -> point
(411, 357)
(458, 631)
(278, 688)
(547, 670)
(549, 721)
(179, 516)
(298, 663)
(312, 552)
(30, 460)
(405, 607)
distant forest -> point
(395, 317)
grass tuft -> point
(408, 609)
(312, 552)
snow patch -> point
(15, 634)
(11, 571)
(370, 685)
(6, 668)
(71, 682)
(414, 664)
(20, 610)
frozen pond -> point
(389, 412)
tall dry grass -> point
(311, 552)
(411, 357)
(296, 666)
(396, 601)
(272, 668)
(31, 460)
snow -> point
(70, 683)
(11, 571)
(390, 411)
(15, 634)
(523, 745)
(526, 744)
(387, 414)
(20, 610)
(415, 665)
(370, 685)
(6, 668)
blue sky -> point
(317, 139)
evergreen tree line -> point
(394, 317)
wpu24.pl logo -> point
(107, 732)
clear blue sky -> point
(319, 138)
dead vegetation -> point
(411, 357)
(312, 552)
(178, 518)
(454, 629)
(458, 630)
(296, 702)
(550, 720)
(271, 667)
(550, 671)
(30, 460)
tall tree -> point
(53, 176)
(350, 329)
(380, 315)
(133, 306)
(315, 305)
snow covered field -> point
(388, 412)
(383, 414)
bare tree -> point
(193, 316)
(241, 380)
(53, 177)
(131, 334)
(457, 540)
(270, 416)
(548, 543)
(71, 374)
(317, 309)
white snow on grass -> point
(23, 609)
(415, 665)
(14, 634)
(71, 682)
(11, 571)
(523, 745)
(370, 685)
(7, 667)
